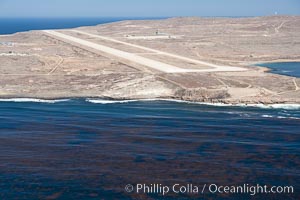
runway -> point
(138, 59)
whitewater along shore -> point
(192, 59)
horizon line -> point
(137, 17)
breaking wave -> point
(105, 101)
(264, 106)
(277, 106)
(279, 117)
(101, 101)
(33, 100)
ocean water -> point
(91, 149)
(13, 25)
(284, 68)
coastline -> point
(97, 100)
(81, 72)
(267, 69)
(79, 117)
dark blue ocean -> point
(79, 149)
(91, 150)
(13, 25)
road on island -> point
(150, 63)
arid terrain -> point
(195, 59)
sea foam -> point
(104, 101)
(264, 106)
(277, 106)
(279, 117)
(33, 100)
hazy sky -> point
(146, 8)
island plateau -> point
(189, 58)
